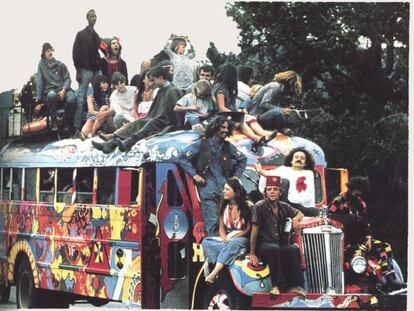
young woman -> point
(197, 105)
(225, 93)
(146, 94)
(234, 228)
(98, 107)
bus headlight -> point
(358, 264)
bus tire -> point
(4, 293)
(27, 295)
(223, 295)
(98, 302)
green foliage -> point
(353, 58)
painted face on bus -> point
(298, 160)
(228, 192)
(272, 193)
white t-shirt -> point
(187, 101)
(123, 103)
(301, 185)
(243, 93)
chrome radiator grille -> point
(322, 248)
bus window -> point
(134, 186)
(6, 184)
(47, 185)
(30, 184)
(17, 184)
(318, 187)
(64, 185)
(173, 194)
(84, 182)
(106, 185)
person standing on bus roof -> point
(298, 169)
(269, 218)
(210, 161)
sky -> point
(143, 27)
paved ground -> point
(80, 305)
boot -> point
(393, 283)
(106, 147)
(106, 137)
(126, 144)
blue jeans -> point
(192, 121)
(53, 102)
(273, 119)
(224, 252)
(86, 78)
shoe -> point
(275, 291)
(288, 132)
(126, 144)
(106, 147)
(106, 137)
(79, 135)
(298, 290)
(265, 139)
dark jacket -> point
(85, 49)
(51, 77)
(122, 68)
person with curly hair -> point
(298, 170)
(234, 228)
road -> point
(80, 305)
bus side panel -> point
(79, 248)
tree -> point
(353, 58)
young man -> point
(266, 241)
(210, 161)
(160, 117)
(350, 209)
(53, 84)
(87, 62)
(298, 170)
(123, 101)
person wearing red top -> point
(234, 227)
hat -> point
(234, 116)
(46, 46)
(272, 181)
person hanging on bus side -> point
(298, 169)
(351, 210)
(267, 240)
(210, 161)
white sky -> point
(143, 27)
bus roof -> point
(162, 148)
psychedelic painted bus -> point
(76, 223)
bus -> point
(76, 223)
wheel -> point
(398, 271)
(4, 293)
(27, 295)
(223, 295)
(98, 302)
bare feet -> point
(275, 291)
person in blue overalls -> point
(210, 161)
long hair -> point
(215, 124)
(310, 161)
(239, 198)
(291, 79)
(139, 83)
(227, 74)
(97, 92)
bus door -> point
(173, 230)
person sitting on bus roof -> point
(234, 228)
(351, 210)
(160, 117)
(53, 85)
(268, 241)
(209, 161)
(298, 169)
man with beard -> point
(160, 117)
(53, 83)
(210, 161)
(298, 170)
(87, 61)
(269, 218)
(350, 209)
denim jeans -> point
(190, 121)
(86, 78)
(53, 102)
(273, 119)
(224, 252)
